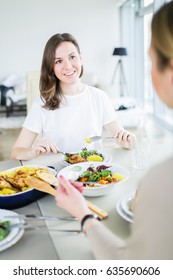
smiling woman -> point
(67, 105)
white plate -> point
(13, 241)
(123, 208)
(107, 158)
(75, 170)
(125, 204)
(15, 233)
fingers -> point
(65, 184)
(125, 138)
(78, 186)
(45, 146)
(68, 185)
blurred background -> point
(99, 26)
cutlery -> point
(35, 217)
(96, 138)
(30, 226)
(43, 186)
(60, 152)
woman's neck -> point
(72, 89)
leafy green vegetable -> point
(84, 154)
(4, 232)
(105, 172)
(96, 174)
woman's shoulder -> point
(165, 166)
(94, 91)
(159, 176)
(37, 105)
(39, 101)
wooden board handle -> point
(95, 209)
(43, 186)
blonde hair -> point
(162, 34)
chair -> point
(15, 102)
(13, 94)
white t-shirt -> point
(78, 117)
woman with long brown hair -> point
(68, 111)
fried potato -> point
(4, 183)
(11, 183)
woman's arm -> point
(122, 136)
(21, 150)
(105, 244)
(26, 148)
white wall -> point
(26, 25)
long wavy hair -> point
(49, 85)
(162, 34)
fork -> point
(60, 152)
(63, 153)
(31, 226)
(36, 217)
(96, 138)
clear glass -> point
(148, 2)
(140, 153)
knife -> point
(35, 217)
(30, 226)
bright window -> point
(136, 18)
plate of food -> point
(98, 178)
(9, 237)
(125, 207)
(84, 155)
(14, 192)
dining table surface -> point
(48, 244)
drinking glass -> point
(140, 152)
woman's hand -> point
(69, 198)
(44, 146)
(125, 138)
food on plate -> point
(75, 159)
(88, 140)
(118, 176)
(83, 156)
(14, 182)
(94, 158)
(101, 174)
(3, 231)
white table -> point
(53, 245)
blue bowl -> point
(18, 200)
(24, 198)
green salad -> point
(84, 155)
(100, 174)
(4, 232)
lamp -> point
(119, 52)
